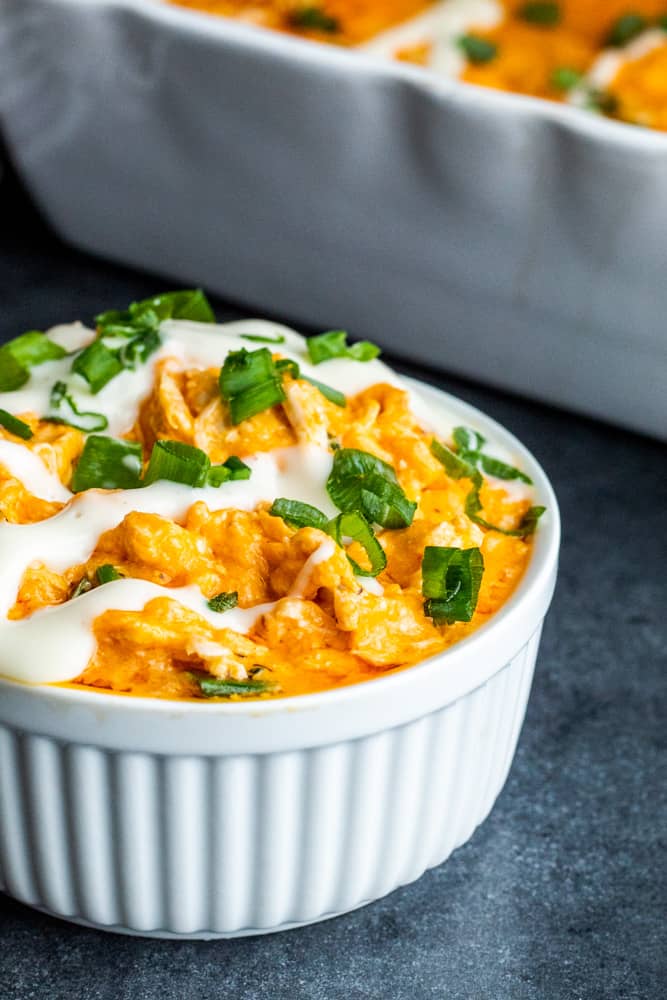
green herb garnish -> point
(224, 601)
(298, 514)
(64, 411)
(17, 356)
(15, 426)
(546, 14)
(333, 344)
(355, 526)
(258, 339)
(477, 50)
(565, 78)
(286, 366)
(364, 483)
(314, 18)
(451, 580)
(250, 383)
(215, 687)
(82, 587)
(109, 464)
(97, 365)
(230, 470)
(107, 573)
(625, 28)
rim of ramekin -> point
(294, 48)
(327, 716)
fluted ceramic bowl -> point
(216, 820)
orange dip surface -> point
(325, 628)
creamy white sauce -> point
(55, 644)
(607, 65)
(28, 468)
(441, 26)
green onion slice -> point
(64, 411)
(477, 50)
(17, 356)
(250, 382)
(107, 573)
(565, 77)
(15, 426)
(314, 18)
(625, 28)
(451, 580)
(289, 367)
(109, 464)
(33, 348)
(258, 339)
(364, 483)
(215, 687)
(189, 304)
(546, 14)
(473, 506)
(177, 462)
(333, 344)
(97, 365)
(224, 601)
(469, 456)
(298, 514)
(232, 469)
(355, 526)
(455, 466)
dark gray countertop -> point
(562, 892)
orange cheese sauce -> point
(529, 57)
(323, 629)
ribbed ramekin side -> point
(193, 845)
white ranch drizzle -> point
(56, 643)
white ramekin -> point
(502, 237)
(179, 819)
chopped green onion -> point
(257, 339)
(107, 573)
(17, 356)
(455, 466)
(215, 687)
(661, 22)
(473, 506)
(466, 439)
(333, 344)
(189, 304)
(298, 514)
(540, 13)
(314, 18)
(232, 469)
(364, 483)
(33, 348)
(244, 370)
(109, 464)
(477, 50)
(138, 349)
(289, 367)
(97, 365)
(64, 411)
(565, 78)
(451, 580)
(12, 374)
(468, 457)
(255, 400)
(625, 28)
(224, 601)
(82, 587)
(250, 382)
(15, 426)
(355, 526)
(177, 462)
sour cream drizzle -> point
(55, 644)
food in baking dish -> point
(201, 511)
(608, 57)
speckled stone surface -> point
(562, 893)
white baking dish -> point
(167, 818)
(496, 236)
